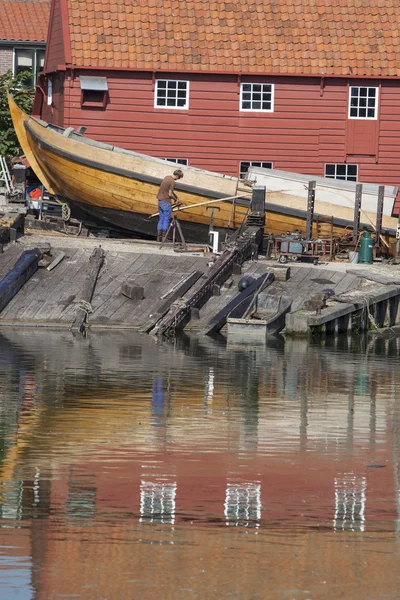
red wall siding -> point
(55, 113)
(308, 128)
(55, 52)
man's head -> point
(177, 174)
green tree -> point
(23, 96)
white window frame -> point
(168, 81)
(35, 61)
(263, 110)
(376, 105)
(336, 165)
(255, 163)
(49, 91)
(178, 161)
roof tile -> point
(288, 36)
(24, 20)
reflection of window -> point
(157, 502)
(345, 172)
(245, 166)
(209, 387)
(30, 60)
(11, 496)
(178, 161)
(350, 499)
(81, 499)
(171, 94)
(243, 504)
(363, 102)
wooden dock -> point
(55, 298)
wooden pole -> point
(95, 263)
(179, 208)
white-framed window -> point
(246, 164)
(345, 172)
(257, 97)
(171, 93)
(30, 60)
(363, 102)
(178, 161)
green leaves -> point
(23, 96)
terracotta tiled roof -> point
(22, 20)
(359, 37)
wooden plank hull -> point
(118, 188)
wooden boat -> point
(267, 320)
(117, 188)
(239, 305)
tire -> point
(283, 259)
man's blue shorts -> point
(165, 209)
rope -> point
(85, 306)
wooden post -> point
(310, 209)
(357, 209)
(379, 212)
(95, 263)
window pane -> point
(330, 170)
(24, 59)
(341, 169)
(161, 84)
(352, 170)
(371, 113)
(39, 61)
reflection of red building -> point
(281, 481)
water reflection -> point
(116, 440)
(350, 499)
(243, 504)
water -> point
(135, 469)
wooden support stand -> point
(175, 227)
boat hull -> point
(137, 223)
(118, 189)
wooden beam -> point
(24, 268)
(95, 263)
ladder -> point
(5, 174)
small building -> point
(23, 33)
(309, 87)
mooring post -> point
(357, 209)
(95, 263)
(310, 209)
(379, 212)
(397, 253)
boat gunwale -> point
(242, 201)
(116, 170)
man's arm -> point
(171, 192)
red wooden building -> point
(309, 87)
